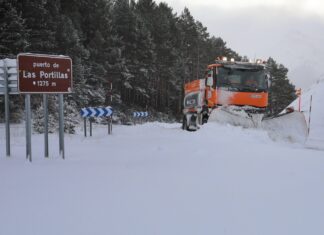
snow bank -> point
(291, 127)
(305, 127)
(229, 116)
(157, 179)
(315, 118)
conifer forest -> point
(131, 55)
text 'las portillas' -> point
(45, 75)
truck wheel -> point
(204, 119)
(184, 123)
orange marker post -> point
(298, 93)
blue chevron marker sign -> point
(96, 112)
(140, 114)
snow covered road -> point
(158, 179)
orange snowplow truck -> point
(242, 85)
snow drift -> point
(313, 109)
(158, 179)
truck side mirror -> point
(210, 81)
(210, 78)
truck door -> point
(210, 92)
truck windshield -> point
(249, 80)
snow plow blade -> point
(235, 118)
(290, 127)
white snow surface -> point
(158, 179)
(314, 113)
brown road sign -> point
(44, 74)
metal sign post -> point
(7, 114)
(298, 93)
(90, 120)
(85, 127)
(28, 128)
(61, 125)
(8, 86)
(310, 114)
(110, 117)
(109, 125)
(45, 106)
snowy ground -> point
(157, 179)
(311, 104)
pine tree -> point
(189, 44)
(282, 92)
(13, 32)
(217, 48)
(69, 39)
(138, 51)
(38, 120)
(40, 18)
(13, 40)
(71, 116)
(102, 42)
(165, 88)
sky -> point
(289, 31)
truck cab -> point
(242, 85)
(239, 84)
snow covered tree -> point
(13, 32)
(38, 119)
(189, 44)
(165, 86)
(13, 40)
(138, 51)
(282, 92)
(71, 116)
(40, 18)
